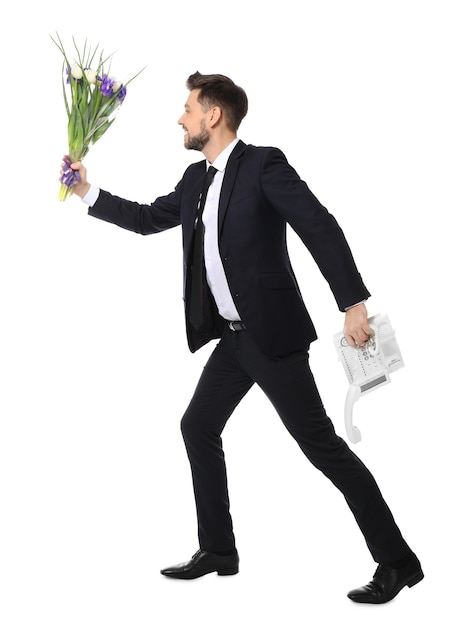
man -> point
(240, 286)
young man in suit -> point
(240, 286)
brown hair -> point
(219, 90)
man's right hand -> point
(82, 187)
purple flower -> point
(107, 85)
(122, 93)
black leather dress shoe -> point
(203, 563)
(388, 582)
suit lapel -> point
(228, 183)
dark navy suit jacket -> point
(261, 193)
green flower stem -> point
(64, 192)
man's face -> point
(193, 122)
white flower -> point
(90, 76)
(117, 84)
(76, 71)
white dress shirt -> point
(215, 273)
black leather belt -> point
(236, 326)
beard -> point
(197, 142)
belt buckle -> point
(231, 326)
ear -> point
(214, 116)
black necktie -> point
(198, 265)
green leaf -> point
(75, 131)
(67, 108)
(100, 132)
(97, 124)
(71, 128)
(83, 108)
(79, 133)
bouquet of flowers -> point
(92, 97)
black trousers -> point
(234, 366)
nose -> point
(181, 120)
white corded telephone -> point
(368, 368)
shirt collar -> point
(221, 160)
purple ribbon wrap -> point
(69, 177)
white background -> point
(368, 100)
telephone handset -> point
(368, 368)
